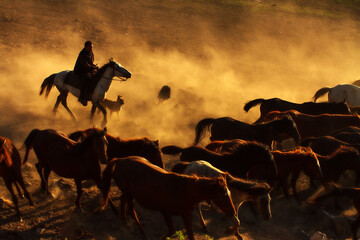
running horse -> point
(169, 193)
(311, 108)
(66, 81)
(227, 128)
(341, 93)
(10, 171)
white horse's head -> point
(118, 70)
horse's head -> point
(151, 151)
(119, 70)
(263, 204)
(285, 127)
(100, 144)
(311, 165)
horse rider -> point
(85, 69)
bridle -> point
(121, 79)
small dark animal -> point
(169, 193)
(164, 93)
(10, 171)
(113, 106)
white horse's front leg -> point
(102, 109)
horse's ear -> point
(111, 60)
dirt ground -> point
(215, 56)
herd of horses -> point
(240, 164)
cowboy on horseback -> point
(85, 69)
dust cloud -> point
(214, 56)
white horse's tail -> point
(47, 84)
(321, 92)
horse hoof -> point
(20, 219)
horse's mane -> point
(80, 147)
(247, 185)
(102, 69)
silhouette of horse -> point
(80, 161)
(293, 163)
(103, 79)
(10, 171)
(311, 108)
(341, 93)
(352, 193)
(227, 128)
(118, 148)
(335, 164)
(113, 106)
(317, 125)
(349, 134)
(164, 93)
(166, 192)
(241, 190)
(247, 156)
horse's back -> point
(345, 93)
(203, 169)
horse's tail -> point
(253, 103)
(106, 180)
(321, 92)
(76, 135)
(171, 150)
(199, 130)
(180, 167)
(47, 84)
(28, 143)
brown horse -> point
(353, 193)
(166, 192)
(349, 134)
(55, 152)
(241, 190)
(228, 128)
(247, 156)
(319, 125)
(10, 171)
(293, 163)
(311, 108)
(224, 146)
(118, 148)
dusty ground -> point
(215, 55)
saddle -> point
(73, 79)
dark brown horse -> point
(247, 156)
(349, 134)
(241, 190)
(118, 148)
(10, 171)
(293, 163)
(317, 125)
(311, 108)
(69, 159)
(224, 146)
(353, 193)
(228, 128)
(166, 192)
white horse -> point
(66, 84)
(341, 93)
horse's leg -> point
(354, 227)
(20, 180)
(14, 199)
(202, 221)
(99, 185)
(285, 187)
(93, 109)
(293, 180)
(58, 100)
(134, 215)
(39, 169)
(187, 217)
(102, 109)
(123, 207)
(64, 103)
(170, 225)
(47, 172)
(79, 192)
(21, 195)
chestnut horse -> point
(311, 108)
(241, 190)
(169, 193)
(56, 152)
(224, 146)
(352, 193)
(227, 128)
(247, 156)
(317, 125)
(10, 171)
(294, 162)
(117, 147)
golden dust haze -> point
(215, 56)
